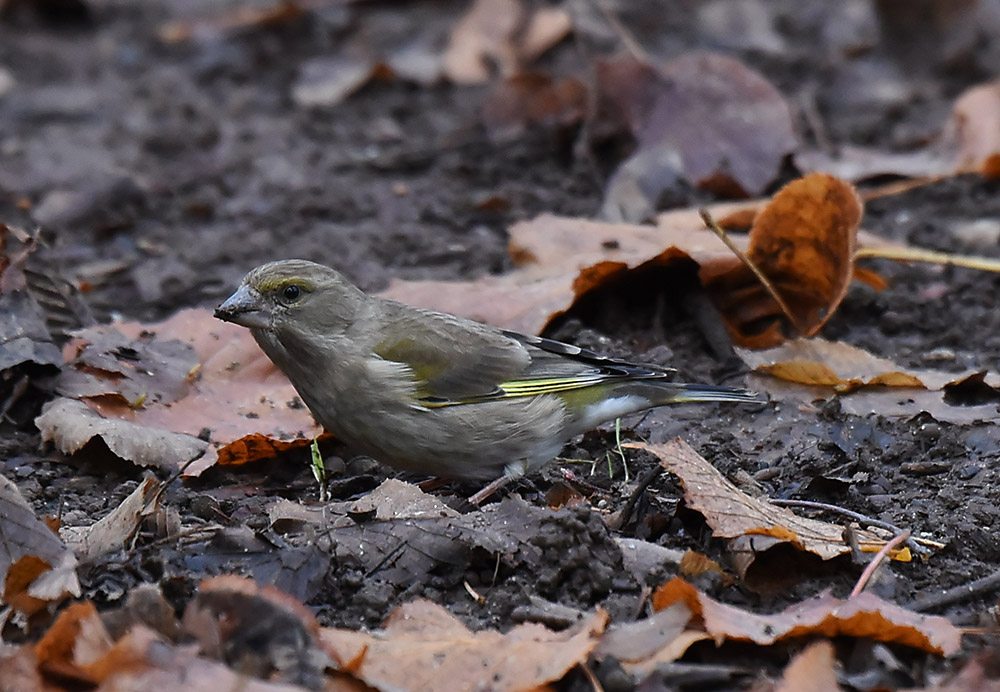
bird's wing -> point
(457, 361)
(452, 359)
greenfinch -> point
(434, 393)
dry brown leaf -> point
(531, 98)
(227, 607)
(484, 35)
(818, 362)
(546, 27)
(327, 81)
(71, 425)
(811, 671)
(803, 241)
(811, 369)
(395, 499)
(503, 34)
(641, 645)
(424, 647)
(975, 128)
(735, 515)
(74, 643)
(865, 615)
(113, 531)
(234, 406)
(702, 117)
(36, 568)
(560, 259)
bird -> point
(434, 393)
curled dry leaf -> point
(113, 531)
(423, 647)
(752, 525)
(560, 259)
(865, 615)
(803, 241)
(809, 369)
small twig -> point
(625, 515)
(630, 42)
(595, 684)
(913, 254)
(918, 545)
(764, 281)
(164, 484)
(958, 593)
(876, 561)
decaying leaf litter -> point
(900, 460)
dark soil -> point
(166, 171)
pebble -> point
(939, 355)
(969, 471)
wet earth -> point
(165, 170)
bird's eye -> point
(291, 293)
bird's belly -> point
(476, 441)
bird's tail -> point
(685, 393)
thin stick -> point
(920, 545)
(876, 561)
(958, 593)
(907, 254)
(630, 42)
(626, 512)
(765, 282)
(595, 684)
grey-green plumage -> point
(435, 393)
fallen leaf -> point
(974, 128)
(561, 258)
(484, 35)
(226, 608)
(707, 117)
(71, 425)
(845, 367)
(73, 643)
(113, 531)
(642, 645)
(327, 81)
(810, 369)
(423, 647)
(529, 99)
(803, 241)
(755, 525)
(864, 615)
(395, 499)
(811, 671)
(232, 406)
(36, 567)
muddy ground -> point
(167, 170)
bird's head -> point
(292, 294)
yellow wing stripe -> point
(521, 388)
(557, 384)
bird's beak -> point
(246, 307)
